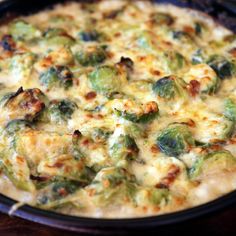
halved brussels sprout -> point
(175, 140)
(57, 193)
(65, 166)
(213, 163)
(205, 75)
(15, 167)
(21, 30)
(175, 60)
(100, 135)
(91, 56)
(123, 150)
(105, 80)
(57, 76)
(58, 36)
(143, 114)
(24, 104)
(112, 185)
(60, 110)
(169, 87)
(89, 35)
(17, 125)
(230, 109)
(223, 67)
(161, 18)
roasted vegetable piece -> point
(175, 140)
(57, 76)
(230, 109)
(183, 37)
(169, 87)
(197, 57)
(16, 169)
(146, 196)
(24, 104)
(100, 135)
(161, 18)
(21, 30)
(57, 193)
(112, 185)
(17, 125)
(175, 60)
(223, 67)
(60, 110)
(124, 149)
(213, 163)
(58, 36)
(90, 35)
(205, 75)
(105, 80)
(91, 56)
(145, 114)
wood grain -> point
(222, 223)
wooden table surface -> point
(221, 223)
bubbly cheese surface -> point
(117, 109)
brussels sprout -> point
(100, 135)
(60, 110)
(169, 87)
(150, 196)
(230, 109)
(197, 57)
(123, 150)
(57, 76)
(58, 36)
(7, 43)
(223, 67)
(175, 140)
(16, 169)
(105, 80)
(21, 30)
(24, 104)
(148, 112)
(112, 185)
(161, 18)
(64, 165)
(212, 163)
(175, 60)
(183, 37)
(206, 76)
(91, 56)
(57, 193)
(90, 35)
(17, 125)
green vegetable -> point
(123, 150)
(100, 135)
(161, 18)
(197, 57)
(175, 140)
(222, 66)
(60, 110)
(91, 56)
(16, 169)
(21, 30)
(17, 125)
(148, 112)
(90, 35)
(230, 109)
(24, 104)
(175, 60)
(213, 163)
(169, 87)
(112, 185)
(58, 36)
(57, 76)
(105, 80)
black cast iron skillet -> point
(223, 11)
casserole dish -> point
(125, 223)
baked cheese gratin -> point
(117, 109)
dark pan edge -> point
(107, 226)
